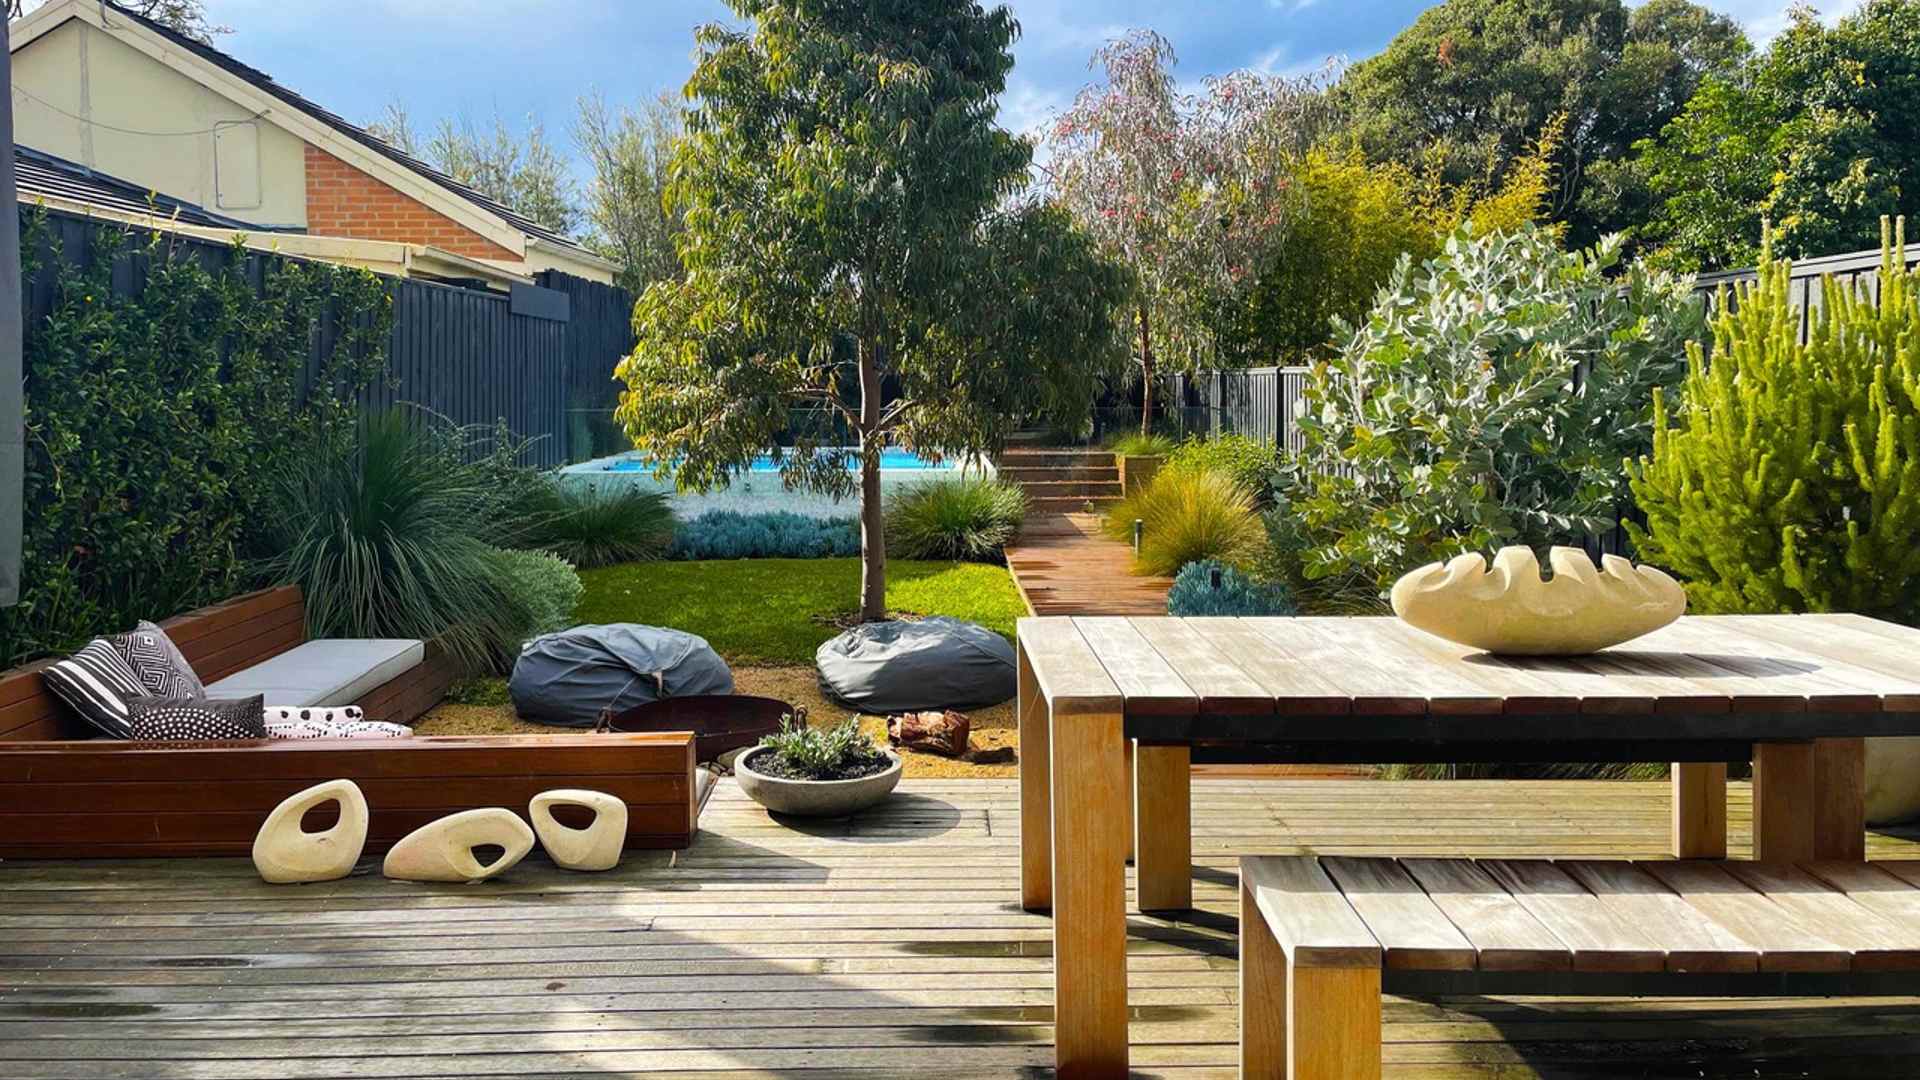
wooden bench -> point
(219, 641)
(65, 794)
(1322, 938)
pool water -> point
(891, 458)
(759, 488)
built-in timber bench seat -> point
(1322, 938)
(64, 794)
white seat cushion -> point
(336, 672)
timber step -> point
(1069, 504)
(1056, 459)
(1024, 474)
(1042, 489)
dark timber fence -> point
(1255, 402)
(469, 354)
(1856, 268)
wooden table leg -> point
(1840, 799)
(1783, 801)
(1089, 892)
(1036, 804)
(1699, 810)
(1163, 827)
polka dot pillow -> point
(341, 722)
(166, 719)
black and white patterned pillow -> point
(310, 721)
(160, 719)
(97, 683)
(162, 668)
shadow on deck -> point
(888, 945)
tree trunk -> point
(1146, 373)
(873, 539)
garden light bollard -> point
(1139, 527)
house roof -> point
(40, 174)
(265, 83)
(360, 146)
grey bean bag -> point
(938, 663)
(567, 678)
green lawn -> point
(778, 611)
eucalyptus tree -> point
(856, 245)
(1188, 191)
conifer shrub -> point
(1786, 477)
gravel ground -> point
(993, 728)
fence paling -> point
(464, 353)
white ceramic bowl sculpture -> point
(1510, 610)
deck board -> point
(889, 944)
(1064, 566)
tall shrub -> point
(392, 537)
(1787, 476)
(1488, 399)
(157, 420)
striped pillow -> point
(96, 682)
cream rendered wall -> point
(150, 125)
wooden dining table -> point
(1113, 713)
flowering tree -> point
(1188, 191)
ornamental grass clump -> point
(1786, 478)
(967, 519)
(392, 538)
(592, 526)
(1187, 515)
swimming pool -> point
(759, 488)
(891, 458)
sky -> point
(534, 58)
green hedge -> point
(158, 420)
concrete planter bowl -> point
(814, 798)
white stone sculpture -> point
(284, 852)
(443, 850)
(596, 847)
(1511, 610)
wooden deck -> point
(1063, 566)
(889, 946)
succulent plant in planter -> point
(817, 772)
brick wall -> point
(343, 201)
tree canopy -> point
(1189, 192)
(1820, 136)
(1472, 83)
(854, 245)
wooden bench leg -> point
(1163, 827)
(1036, 803)
(1783, 802)
(1263, 995)
(1334, 1028)
(1089, 891)
(1699, 810)
(1303, 1023)
(1840, 799)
